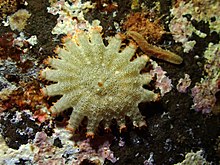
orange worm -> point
(154, 51)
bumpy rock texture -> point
(97, 81)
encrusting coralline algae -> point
(98, 81)
(204, 93)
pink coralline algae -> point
(162, 81)
(87, 152)
(203, 93)
(183, 84)
(203, 96)
(106, 153)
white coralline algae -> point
(97, 81)
(185, 12)
(71, 16)
(182, 28)
(194, 158)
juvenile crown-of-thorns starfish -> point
(97, 81)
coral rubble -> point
(98, 81)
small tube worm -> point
(153, 50)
